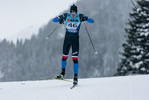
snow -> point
(113, 88)
(137, 65)
(144, 33)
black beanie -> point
(73, 8)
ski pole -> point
(90, 39)
(52, 32)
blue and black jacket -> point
(73, 23)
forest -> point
(35, 58)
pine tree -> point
(135, 56)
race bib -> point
(73, 24)
(72, 27)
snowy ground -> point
(114, 88)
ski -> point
(61, 79)
(55, 79)
(74, 85)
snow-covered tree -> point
(135, 56)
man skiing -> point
(72, 22)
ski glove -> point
(61, 21)
(56, 19)
(90, 20)
(84, 18)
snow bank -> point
(113, 88)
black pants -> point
(71, 41)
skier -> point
(72, 22)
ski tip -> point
(73, 86)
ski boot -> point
(61, 75)
(75, 80)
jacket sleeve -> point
(85, 18)
(63, 17)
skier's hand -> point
(84, 18)
(61, 21)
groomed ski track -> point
(112, 88)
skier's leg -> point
(76, 69)
(66, 48)
(76, 64)
(75, 52)
(64, 63)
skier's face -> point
(73, 14)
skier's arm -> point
(60, 18)
(85, 18)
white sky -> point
(15, 15)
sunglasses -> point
(73, 13)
